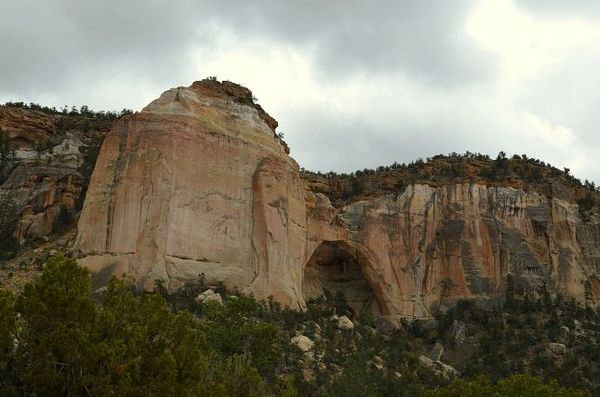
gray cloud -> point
(443, 92)
(423, 39)
(47, 45)
(52, 44)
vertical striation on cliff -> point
(430, 245)
(45, 158)
(199, 182)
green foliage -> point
(231, 330)
(7, 333)
(57, 319)
(132, 345)
(514, 338)
(56, 340)
(513, 386)
(9, 217)
(5, 158)
(71, 112)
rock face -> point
(25, 128)
(444, 370)
(42, 168)
(199, 182)
(427, 244)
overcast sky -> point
(353, 84)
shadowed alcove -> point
(336, 268)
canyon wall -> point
(43, 167)
(199, 182)
(430, 244)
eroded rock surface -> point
(199, 182)
(43, 166)
(428, 245)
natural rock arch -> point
(342, 267)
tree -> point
(4, 154)
(230, 330)
(588, 295)
(58, 316)
(8, 333)
(500, 162)
(132, 345)
(9, 219)
(513, 386)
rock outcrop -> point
(25, 128)
(302, 342)
(439, 368)
(429, 244)
(199, 182)
(43, 166)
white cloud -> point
(526, 44)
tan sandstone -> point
(199, 182)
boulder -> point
(436, 352)
(458, 332)
(302, 342)
(388, 324)
(557, 348)
(426, 361)
(546, 354)
(213, 298)
(378, 363)
(317, 329)
(344, 323)
(447, 371)
(439, 368)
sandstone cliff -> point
(430, 244)
(199, 182)
(44, 163)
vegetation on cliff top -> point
(73, 111)
(518, 171)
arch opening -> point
(334, 270)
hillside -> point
(205, 340)
(518, 172)
(445, 275)
(46, 160)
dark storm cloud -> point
(50, 44)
